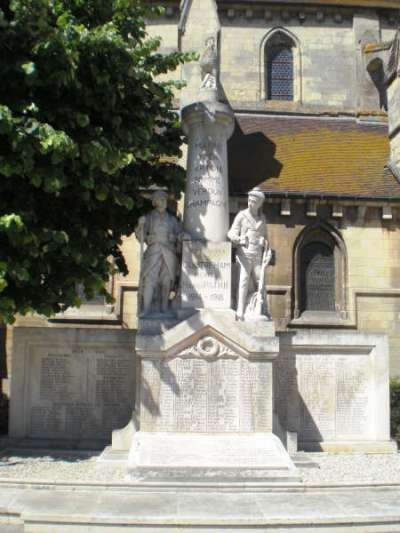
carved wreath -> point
(208, 348)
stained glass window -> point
(317, 277)
(279, 70)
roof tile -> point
(310, 156)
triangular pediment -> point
(207, 343)
(214, 334)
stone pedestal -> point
(204, 405)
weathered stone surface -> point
(230, 394)
(82, 510)
(205, 403)
(333, 387)
(209, 456)
(71, 383)
(206, 275)
(208, 126)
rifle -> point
(260, 292)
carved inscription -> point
(352, 398)
(334, 399)
(206, 275)
(225, 395)
(285, 390)
(317, 387)
(207, 185)
(56, 379)
(81, 391)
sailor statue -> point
(253, 254)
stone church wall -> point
(372, 283)
(329, 68)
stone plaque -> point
(332, 389)
(206, 275)
(195, 395)
(74, 388)
(334, 396)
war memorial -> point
(208, 404)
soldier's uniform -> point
(159, 268)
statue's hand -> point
(141, 221)
(267, 257)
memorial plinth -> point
(204, 403)
(204, 409)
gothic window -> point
(279, 67)
(317, 266)
(320, 266)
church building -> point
(308, 84)
(314, 87)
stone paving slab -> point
(72, 511)
(11, 528)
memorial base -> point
(209, 459)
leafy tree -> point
(84, 124)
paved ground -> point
(58, 501)
(68, 466)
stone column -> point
(206, 257)
(208, 126)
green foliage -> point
(395, 409)
(84, 124)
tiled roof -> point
(310, 156)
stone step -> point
(72, 511)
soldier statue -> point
(162, 233)
(248, 233)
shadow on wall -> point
(291, 413)
(251, 160)
(376, 70)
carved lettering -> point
(334, 398)
(192, 394)
(206, 275)
(84, 391)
